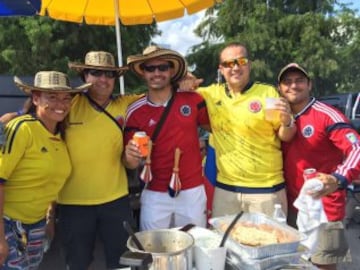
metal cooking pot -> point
(170, 249)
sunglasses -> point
(241, 61)
(152, 68)
(98, 73)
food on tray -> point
(251, 234)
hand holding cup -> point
(278, 109)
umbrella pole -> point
(118, 44)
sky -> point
(355, 3)
(178, 34)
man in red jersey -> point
(164, 205)
(326, 141)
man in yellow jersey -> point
(94, 201)
(247, 146)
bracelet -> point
(291, 124)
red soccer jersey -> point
(180, 129)
(326, 141)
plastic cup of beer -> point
(142, 140)
(271, 113)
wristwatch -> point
(340, 181)
(339, 184)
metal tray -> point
(261, 251)
(276, 262)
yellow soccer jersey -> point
(95, 145)
(34, 164)
(247, 149)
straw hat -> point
(135, 61)
(53, 81)
(98, 60)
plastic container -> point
(279, 214)
(207, 253)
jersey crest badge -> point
(308, 131)
(185, 110)
(351, 137)
(152, 122)
(120, 119)
(255, 106)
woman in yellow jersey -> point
(34, 164)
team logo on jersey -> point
(218, 103)
(351, 137)
(43, 149)
(308, 131)
(185, 110)
(255, 106)
(152, 122)
(120, 119)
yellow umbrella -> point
(130, 12)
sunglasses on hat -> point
(241, 61)
(152, 68)
(98, 73)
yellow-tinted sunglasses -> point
(241, 61)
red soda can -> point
(309, 173)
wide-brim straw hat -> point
(99, 60)
(50, 81)
(179, 64)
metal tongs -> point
(228, 230)
(133, 236)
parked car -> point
(11, 98)
(348, 103)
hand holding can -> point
(142, 141)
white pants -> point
(160, 211)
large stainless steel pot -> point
(170, 249)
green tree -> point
(40, 43)
(313, 33)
